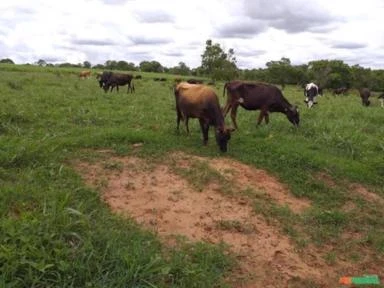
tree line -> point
(218, 64)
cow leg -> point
(132, 87)
(233, 114)
(266, 117)
(179, 116)
(204, 125)
(186, 124)
(261, 116)
(226, 108)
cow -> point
(103, 78)
(194, 81)
(341, 90)
(119, 79)
(311, 91)
(201, 101)
(84, 74)
(258, 96)
(364, 94)
(381, 98)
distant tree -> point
(6, 61)
(181, 69)
(330, 73)
(151, 66)
(41, 62)
(99, 66)
(217, 64)
(280, 72)
(361, 77)
(64, 65)
(132, 66)
(259, 74)
(111, 64)
(87, 64)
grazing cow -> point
(364, 94)
(258, 96)
(195, 81)
(119, 79)
(103, 78)
(310, 92)
(341, 90)
(201, 101)
(84, 74)
(381, 98)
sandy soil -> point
(168, 204)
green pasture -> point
(55, 232)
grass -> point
(55, 232)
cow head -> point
(366, 102)
(293, 116)
(223, 135)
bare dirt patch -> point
(166, 203)
(366, 194)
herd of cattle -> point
(196, 100)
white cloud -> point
(173, 31)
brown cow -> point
(84, 74)
(364, 94)
(258, 96)
(201, 101)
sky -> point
(174, 31)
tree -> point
(87, 64)
(41, 62)
(330, 73)
(217, 64)
(110, 64)
(7, 61)
(181, 69)
(152, 66)
(280, 71)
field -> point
(99, 190)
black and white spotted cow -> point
(310, 92)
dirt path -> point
(166, 203)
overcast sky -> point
(173, 31)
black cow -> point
(119, 79)
(364, 94)
(341, 90)
(103, 78)
(258, 96)
(195, 81)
